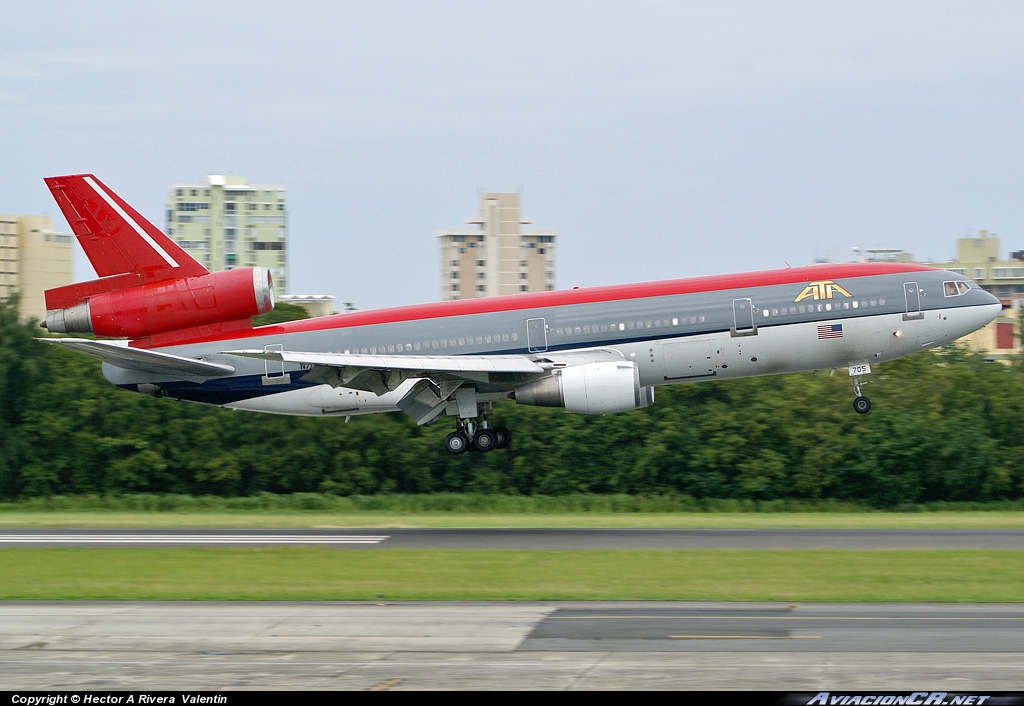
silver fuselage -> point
(819, 317)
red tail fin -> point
(149, 289)
(124, 248)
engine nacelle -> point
(594, 388)
(169, 305)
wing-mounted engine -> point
(158, 307)
(592, 388)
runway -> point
(501, 646)
(534, 539)
(505, 645)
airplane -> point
(185, 333)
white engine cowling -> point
(594, 388)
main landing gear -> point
(478, 437)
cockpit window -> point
(955, 289)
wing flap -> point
(145, 360)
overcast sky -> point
(661, 139)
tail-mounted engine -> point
(162, 306)
(593, 388)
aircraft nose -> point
(988, 312)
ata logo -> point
(825, 289)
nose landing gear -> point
(861, 405)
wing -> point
(439, 375)
(381, 374)
(145, 360)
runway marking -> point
(767, 617)
(189, 539)
(383, 686)
(745, 637)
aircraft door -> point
(275, 374)
(536, 335)
(743, 318)
(912, 293)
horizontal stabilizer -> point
(148, 361)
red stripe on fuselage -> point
(542, 300)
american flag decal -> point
(830, 331)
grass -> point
(307, 573)
(615, 520)
(299, 573)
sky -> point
(661, 139)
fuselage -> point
(687, 330)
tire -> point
(862, 405)
(503, 436)
(485, 440)
(455, 443)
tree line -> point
(945, 427)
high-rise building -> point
(497, 256)
(32, 259)
(227, 223)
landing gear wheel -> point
(455, 443)
(503, 436)
(485, 440)
(862, 405)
